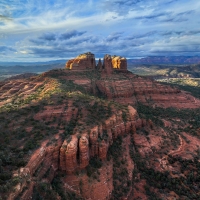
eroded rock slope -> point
(97, 132)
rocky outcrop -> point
(99, 65)
(69, 64)
(71, 155)
(62, 155)
(130, 89)
(82, 62)
(87, 61)
(119, 62)
(99, 189)
(43, 162)
(84, 151)
(74, 153)
(107, 64)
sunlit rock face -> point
(119, 62)
(86, 61)
(82, 62)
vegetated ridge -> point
(97, 132)
(166, 71)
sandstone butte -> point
(87, 61)
(98, 161)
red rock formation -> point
(62, 155)
(103, 148)
(99, 189)
(28, 193)
(107, 64)
(82, 62)
(94, 141)
(69, 64)
(71, 155)
(132, 89)
(119, 62)
(99, 65)
(83, 151)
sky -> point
(43, 30)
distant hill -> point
(166, 60)
(166, 70)
(8, 70)
(21, 76)
(9, 64)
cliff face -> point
(119, 62)
(107, 64)
(87, 61)
(74, 154)
(82, 62)
(132, 89)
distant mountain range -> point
(146, 60)
(8, 69)
(9, 64)
(34, 68)
(166, 60)
(12, 69)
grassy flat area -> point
(195, 82)
(171, 71)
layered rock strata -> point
(130, 89)
(74, 153)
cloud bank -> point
(35, 30)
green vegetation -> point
(148, 112)
(175, 71)
(185, 77)
(188, 120)
(185, 186)
(167, 113)
(43, 191)
(121, 182)
(190, 85)
(57, 186)
(92, 169)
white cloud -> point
(128, 27)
